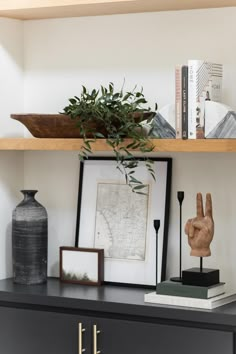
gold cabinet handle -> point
(80, 338)
(95, 342)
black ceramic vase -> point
(29, 241)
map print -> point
(121, 221)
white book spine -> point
(192, 97)
(204, 84)
(178, 101)
(190, 302)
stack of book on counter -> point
(177, 294)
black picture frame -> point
(81, 240)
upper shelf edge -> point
(19, 9)
(161, 145)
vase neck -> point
(29, 194)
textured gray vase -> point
(29, 241)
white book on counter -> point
(190, 302)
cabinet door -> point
(40, 332)
(126, 337)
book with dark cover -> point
(185, 102)
(169, 287)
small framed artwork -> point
(112, 217)
(82, 265)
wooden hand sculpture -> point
(200, 230)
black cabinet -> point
(68, 319)
(128, 337)
(24, 331)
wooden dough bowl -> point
(58, 125)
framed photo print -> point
(112, 217)
(81, 265)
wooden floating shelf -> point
(41, 9)
(161, 145)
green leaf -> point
(99, 135)
(117, 156)
(116, 96)
(140, 100)
(111, 87)
(110, 143)
(140, 193)
(130, 165)
(129, 146)
(136, 146)
(86, 149)
(140, 187)
(87, 144)
(125, 98)
(118, 167)
(146, 149)
(72, 100)
(153, 176)
(134, 180)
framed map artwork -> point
(112, 217)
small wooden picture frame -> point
(82, 265)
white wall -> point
(11, 182)
(63, 54)
(11, 76)
(55, 175)
(11, 163)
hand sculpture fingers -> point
(191, 230)
(203, 237)
(187, 226)
(200, 225)
(200, 213)
(208, 208)
(200, 230)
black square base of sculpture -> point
(204, 277)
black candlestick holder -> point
(156, 224)
(180, 197)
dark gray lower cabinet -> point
(24, 331)
(39, 332)
(128, 337)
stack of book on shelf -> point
(195, 83)
(177, 294)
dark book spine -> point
(200, 292)
(185, 102)
(183, 292)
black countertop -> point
(107, 299)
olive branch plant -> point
(115, 116)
